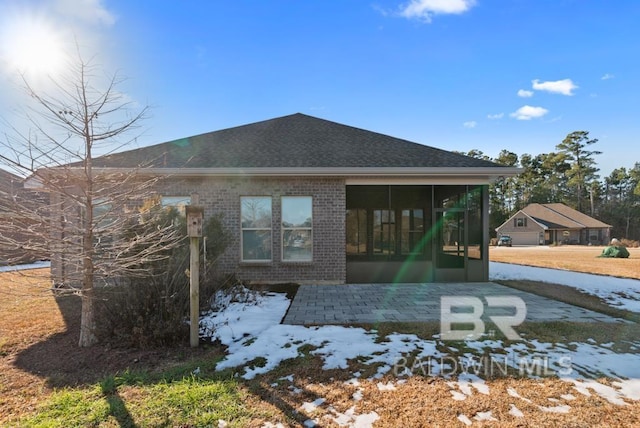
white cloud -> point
(425, 9)
(525, 94)
(529, 112)
(607, 76)
(89, 11)
(564, 87)
(495, 116)
(470, 124)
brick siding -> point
(222, 196)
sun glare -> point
(32, 46)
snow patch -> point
(386, 386)
(514, 411)
(465, 420)
(619, 292)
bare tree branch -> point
(92, 222)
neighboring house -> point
(309, 200)
(18, 235)
(540, 224)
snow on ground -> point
(252, 332)
(622, 293)
(36, 265)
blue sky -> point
(455, 74)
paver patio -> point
(372, 303)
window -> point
(177, 202)
(103, 215)
(521, 222)
(255, 213)
(297, 220)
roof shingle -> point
(560, 216)
(293, 141)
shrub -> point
(630, 243)
(150, 306)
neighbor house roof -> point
(297, 142)
(560, 216)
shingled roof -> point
(560, 216)
(294, 141)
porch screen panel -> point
(384, 232)
(474, 208)
(412, 231)
(255, 212)
(450, 238)
(356, 226)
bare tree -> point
(91, 208)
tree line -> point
(568, 175)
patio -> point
(373, 303)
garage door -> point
(524, 238)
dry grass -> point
(38, 352)
(28, 314)
(38, 345)
(570, 257)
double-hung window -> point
(255, 212)
(177, 202)
(103, 214)
(297, 227)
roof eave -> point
(492, 173)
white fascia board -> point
(527, 215)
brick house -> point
(310, 200)
(543, 224)
(21, 238)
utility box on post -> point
(195, 217)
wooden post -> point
(195, 215)
(194, 290)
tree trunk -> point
(87, 320)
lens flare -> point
(32, 46)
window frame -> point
(102, 214)
(520, 222)
(385, 239)
(269, 229)
(284, 229)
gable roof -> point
(560, 216)
(296, 141)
